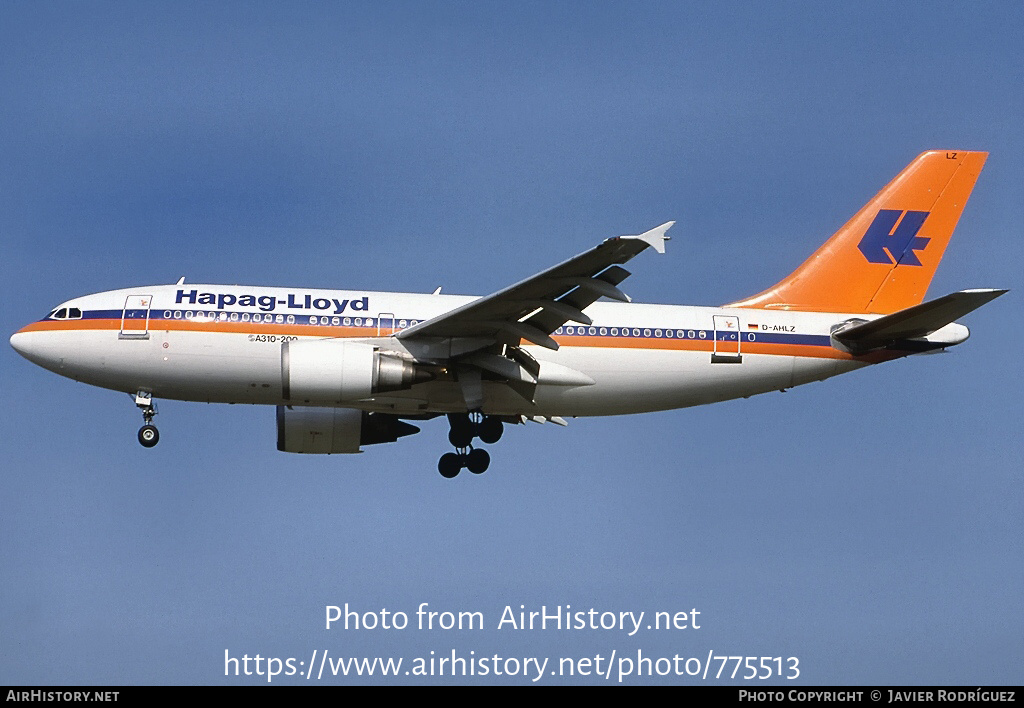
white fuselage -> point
(223, 344)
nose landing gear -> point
(148, 434)
(465, 427)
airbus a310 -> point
(349, 368)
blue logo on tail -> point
(885, 242)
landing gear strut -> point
(465, 427)
(148, 434)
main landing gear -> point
(148, 434)
(465, 427)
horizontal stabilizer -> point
(914, 322)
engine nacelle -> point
(331, 371)
(335, 430)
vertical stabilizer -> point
(883, 259)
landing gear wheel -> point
(449, 465)
(490, 430)
(148, 435)
(462, 430)
(460, 437)
(477, 461)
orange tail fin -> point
(883, 259)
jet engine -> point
(332, 371)
(335, 430)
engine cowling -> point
(334, 371)
(335, 430)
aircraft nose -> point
(19, 340)
(42, 349)
(24, 343)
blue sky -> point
(869, 525)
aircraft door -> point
(727, 340)
(135, 317)
(385, 324)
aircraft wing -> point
(534, 308)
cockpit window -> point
(66, 313)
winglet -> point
(656, 237)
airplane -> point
(347, 369)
